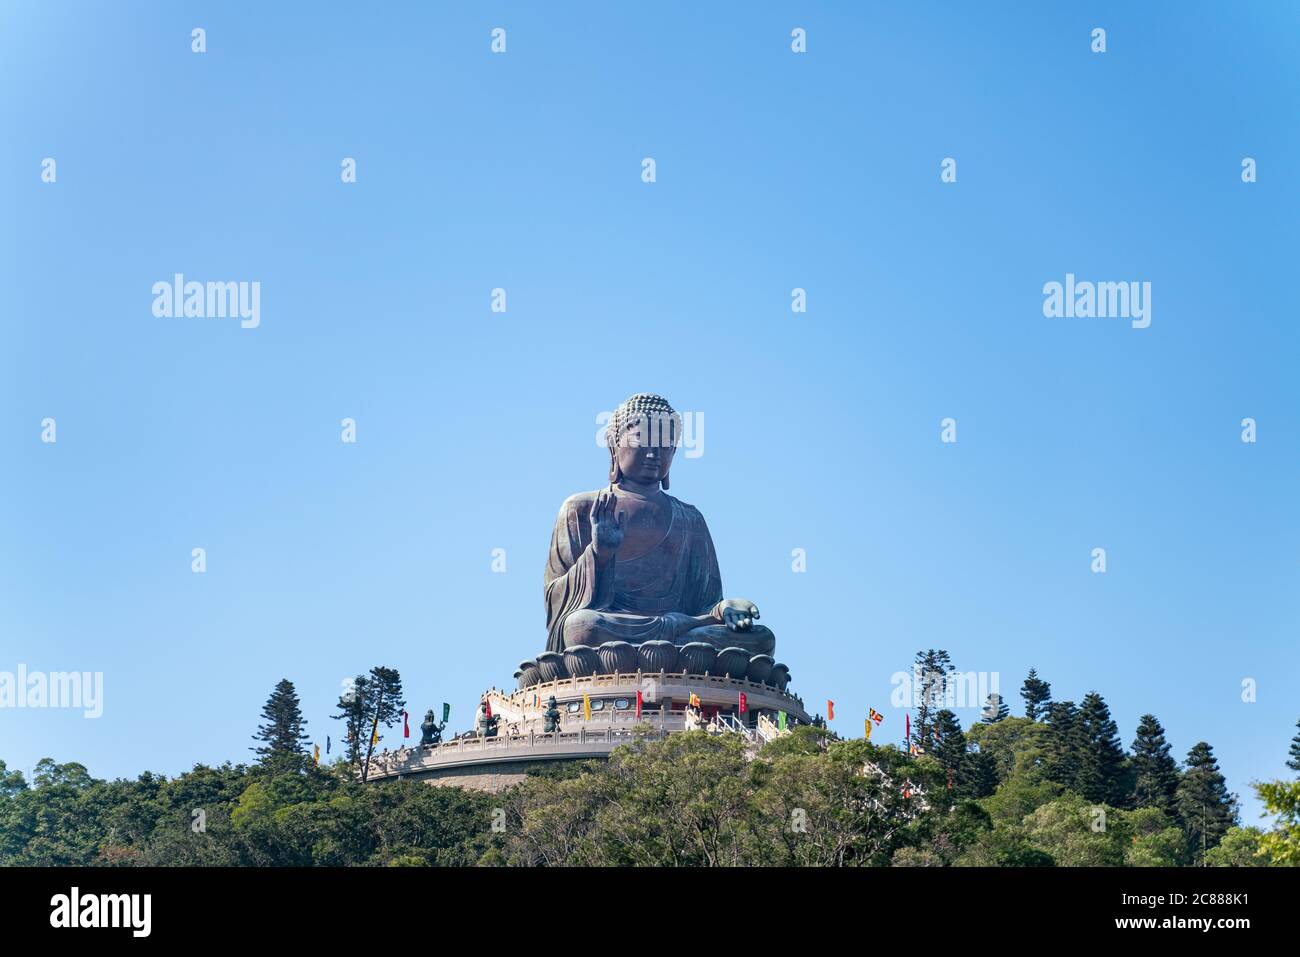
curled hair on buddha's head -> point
(644, 408)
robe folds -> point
(640, 599)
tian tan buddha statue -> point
(629, 562)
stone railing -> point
(623, 681)
(582, 742)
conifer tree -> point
(1037, 694)
(1061, 754)
(930, 672)
(354, 708)
(1103, 775)
(982, 776)
(1294, 762)
(1205, 807)
(282, 735)
(949, 747)
(374, 700)
(995, 709)
(1155, 772)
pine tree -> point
(949, 746)
(282, 735)
(1103, 774)
(1062, 751)
(1037, 694)
(1205, 807)
(374, 700)
(930, 672)
(950, 749)
(1294, 763)
(983, 773)
(995, 709)
(354, 707)
(1155, 781)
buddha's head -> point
(642, 436)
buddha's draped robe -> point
(634, 600)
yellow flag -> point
(868, 736)
(374, 733)
(586, 707)
(316, 754)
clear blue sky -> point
(522, 171)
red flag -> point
(907, 736)
(406, 726)
(638, 704)
(489, 707)
(743, 702)
(830, 710)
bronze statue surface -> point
(631, 563)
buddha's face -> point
(646, 451)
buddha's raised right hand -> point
(606, 526)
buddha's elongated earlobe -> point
(664, 482)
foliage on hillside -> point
(689, 800)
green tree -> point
(1155, 772)
(968, 774)
(373, 701)
(1282, 844)
(949, 749)
(1016, 743)
(1005, 847)
(1294, 761)
(1074, 833)
(930, 672)
(11, 782)
(995, 709)
(1064, 744)
(1037, 694)
(282, 736)
(354, 709)
(1149, 837)
(1205, 807)
(1102, 775)
(1240, 847)
(981, 774)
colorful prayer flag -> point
(695, 700)
(316, 754)
(638, 704)
(406, 725)
(780, 720)
(876, 716)
(868, 734)
(743, 702)
(327, 744)
(446, 712)
(830, 710)
(586, 707)
(488, 702)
